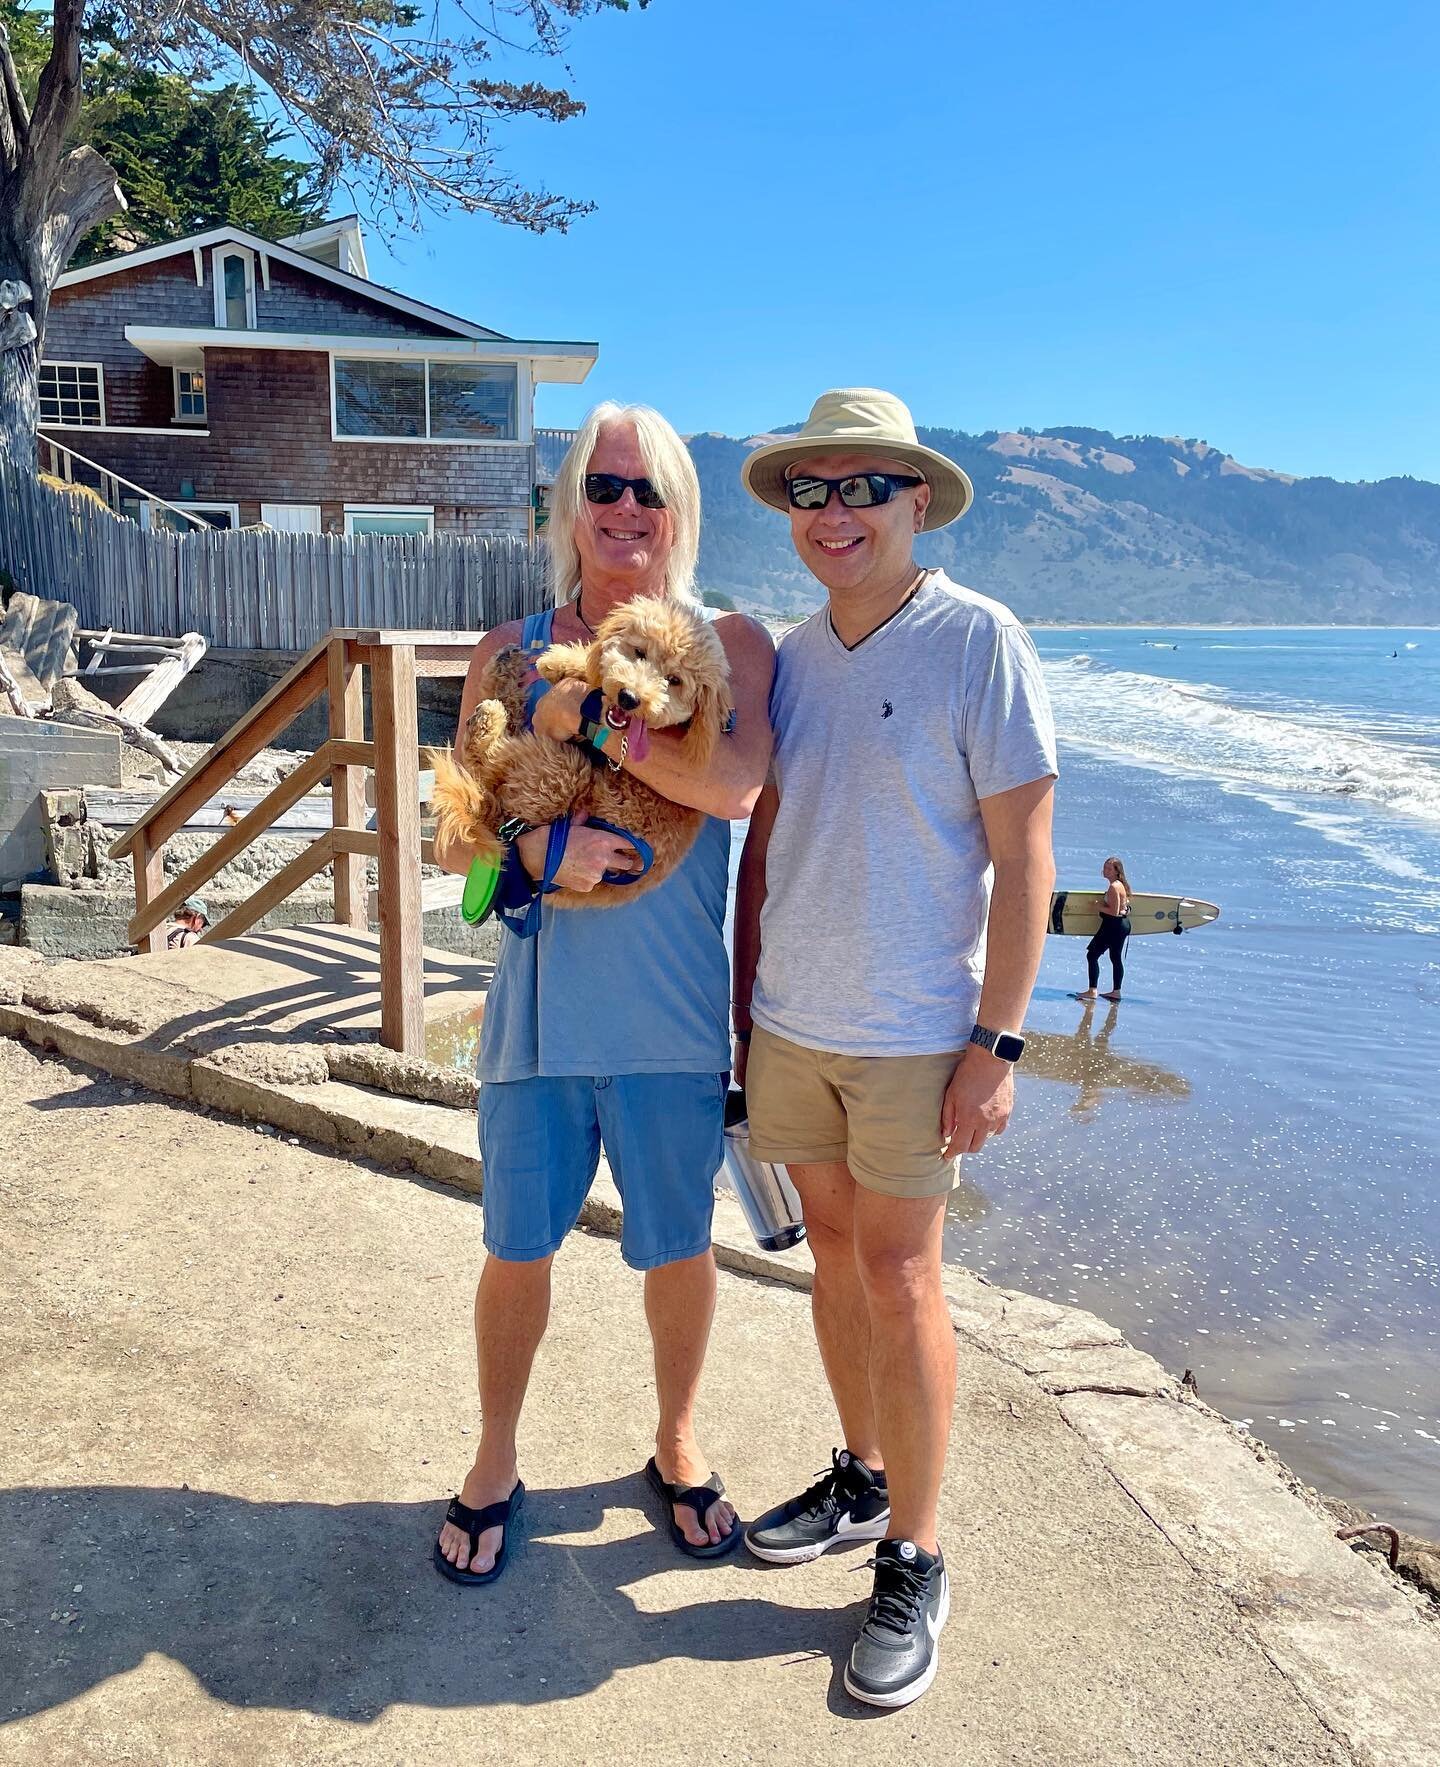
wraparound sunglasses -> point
(858, 490)
(609, 487)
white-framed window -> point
(391, 518)
(190, 395)
(72, 394)
(234, 277)
(424, 399)
(214, 515)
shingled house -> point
(246, 380)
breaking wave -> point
(1191, 728)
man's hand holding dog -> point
(978, 1102)
(589, 854)
(557, 715)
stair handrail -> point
(109, 472)
(292, 694)
(395, 660)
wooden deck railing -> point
(332, 668)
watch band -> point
(1005, 1045)
(512, 828)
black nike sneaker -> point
(847, 1503)
(896, 1656)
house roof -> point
(285, 254)
(182, 346)
(344, 233)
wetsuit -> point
(1114, 930)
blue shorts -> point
(540, 1142)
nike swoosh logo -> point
(932, 1621)
(846, 1525)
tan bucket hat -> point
(860, 420)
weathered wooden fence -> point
(258, 588)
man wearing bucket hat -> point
(914, 759)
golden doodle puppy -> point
(657, 665)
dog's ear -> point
(713, 707)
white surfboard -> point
(1077, 912)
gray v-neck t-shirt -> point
(878, 870)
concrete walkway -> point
(241, 1388)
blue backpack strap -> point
(535, 637)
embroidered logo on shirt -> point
(886, 709)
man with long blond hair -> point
(557, 1082)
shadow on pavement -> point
(337, 1610)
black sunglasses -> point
(609, 487)
(858, 490)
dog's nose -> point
(628, 700)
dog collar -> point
(599, 724)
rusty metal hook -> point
(1375, 1528)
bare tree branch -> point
(14, 112)
(378, 99)
(57, 98)
(86, 192)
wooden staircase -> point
(333, 668)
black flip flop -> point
(702, 1499)
(475, 1522)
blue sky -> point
(1218, 221)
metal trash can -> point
(772, 1209)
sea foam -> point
(1191, 727)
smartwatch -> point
(1008, 1045)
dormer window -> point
(234, 288)
(237, 308)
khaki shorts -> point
(879, 1114)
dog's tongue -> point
(639, 740)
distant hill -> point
(1077, 524)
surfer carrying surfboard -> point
(1114, 931)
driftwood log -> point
(74, 704)
(161, 663)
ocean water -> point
(1239, 1165)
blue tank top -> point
(640, 988)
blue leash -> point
(518, 901)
